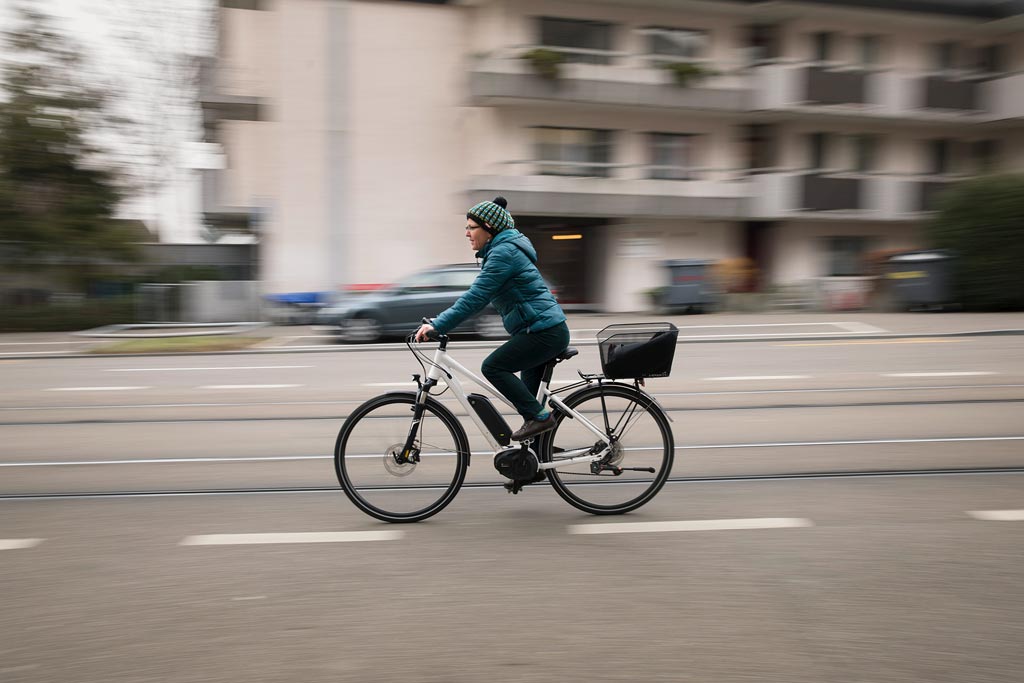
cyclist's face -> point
(478, 237)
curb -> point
(335, 348)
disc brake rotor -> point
(393, 466)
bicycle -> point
(403, 456)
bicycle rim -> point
(380, 484)
(641, 439)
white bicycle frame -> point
(447, 369)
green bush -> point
(686, 74)
(982, 222)
(546, 63)
(84, 315)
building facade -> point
(803, 136)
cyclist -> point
(510, 280)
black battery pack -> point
(491, 418)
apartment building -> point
(804, 135)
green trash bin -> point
(921, 279)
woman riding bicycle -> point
(510, 280)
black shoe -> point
(532, 428)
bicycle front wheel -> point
(378, 480)
(640, 457)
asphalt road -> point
(877, 483)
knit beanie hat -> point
(492, 214)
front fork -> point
(410, 451)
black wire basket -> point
(635, 350)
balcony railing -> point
(609, 78)
(824, 85)
(624, 79)
(230, 93)
(625, 190)
(847, 195)
(945, 92)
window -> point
(458, 279)
(672, 156)
(865, 151)
(579, 35)
(870, 48)
(990, 59)
(985, 154)
(939, 156)
(846, 256)
(678, 43)
(944, 55)
(762, 42)
(822, 44)
(818, 148)
(571, 151)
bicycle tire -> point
(595, 400)
(354, 452)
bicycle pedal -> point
(513, 487)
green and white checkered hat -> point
(492, 214)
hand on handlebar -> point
(425, 332)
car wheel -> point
(355, 330)
(490, 327)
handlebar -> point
(433, 335)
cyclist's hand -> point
(425, 329)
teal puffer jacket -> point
(510, 280)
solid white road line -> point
(938, 374)
(692, 525)
(19, 543)
(250, 386)
(998, 515)
(860, 328)
(226, 367)
(755, 378)
(299, 537)
(95, 388)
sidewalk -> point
(713, 327)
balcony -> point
(914, 97)
(627, 193)
(844, 196)
(229, 94)
(620, 81)
(617, 79)
(223, 218)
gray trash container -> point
(689, 284)
(920, 278)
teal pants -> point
(526, 354)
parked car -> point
(397, 310)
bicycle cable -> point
(422, 359)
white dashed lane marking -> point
(226, 367)
(250, 386)
(297, 537)
(754, 378)
(692, 525)
(938, 374)
(96, 388)
(19, 543)
(998, 515)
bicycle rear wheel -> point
(640, 437)
(370, 469)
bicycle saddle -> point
(566, 355)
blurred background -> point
(306, 151)
(826, 196)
